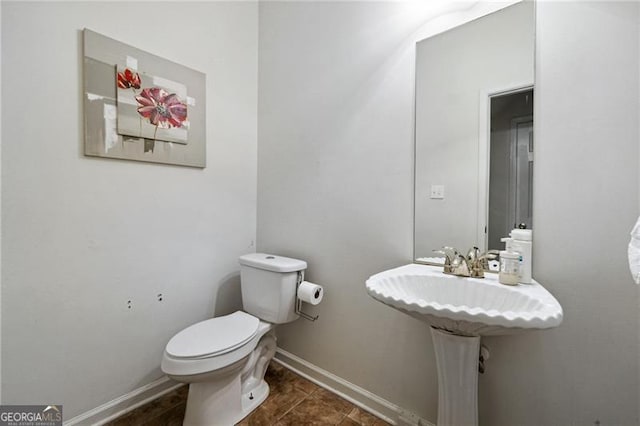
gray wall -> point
(81, 236)
(585, 204)
(335, 188)
(335, 173)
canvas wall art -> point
(139, 106)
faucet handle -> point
(447, 259)
(460, 266)
(479, 263)
(473, 254)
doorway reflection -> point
(511, 164)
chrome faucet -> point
(472, 265)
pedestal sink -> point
(460, 311)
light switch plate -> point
(437, 192)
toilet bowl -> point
(224, 359)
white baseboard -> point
(358, 396)
(122, 405)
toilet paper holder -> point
(298, 308)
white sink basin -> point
(465, 306)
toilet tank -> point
(269, 285)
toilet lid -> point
(214, 336)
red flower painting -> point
(151, 107)
(128, 79)
(162, 109)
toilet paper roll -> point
(310, 292)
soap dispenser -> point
(520, 242)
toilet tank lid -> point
(271, 262)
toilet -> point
(224, 359)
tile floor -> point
(293, 401)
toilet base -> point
(251, 400)
(231, 394)
(213, 404)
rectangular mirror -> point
(474, 132)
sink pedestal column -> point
(457, 362)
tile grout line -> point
(295, 405)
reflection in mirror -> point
(474, 132)
(510, 164)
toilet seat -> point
(183, 358)
(213, 337)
